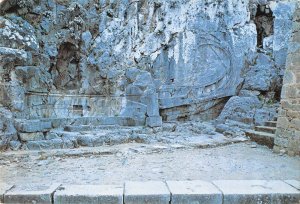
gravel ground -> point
(140, 162)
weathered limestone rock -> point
(266, 113)
(240, 109)
(15, 145)
(261, 75)
(36, 79)
(7, 129)
(283, 26)
(138, 63)
(21, 6)
(231, 128)
(17, 33)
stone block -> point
(184, 192)
(30, 194)
(108, 194)
(283, 122)
(290, 91)
(240, 109)
(150, 192)
(45, 144)
(15, 145)
(293, 114)
(151, 100)
(282, 142)
(154, 121)
(31, 136)
(295, 123)
(59, 122)
(282, 112)
(294, 183)
(4, 187)
(134, 110)
(127, 121)
(283, 133)
(257, 191)
(51, 135)
(292, 104)
(33, 126)
(289, 77)
(293, 60)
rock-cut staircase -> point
(264, 135)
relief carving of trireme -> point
(134, 63)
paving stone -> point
(3, 188)
(150, 192)
(30, 194)
(257, 191)
(106, 194)
(185, 192)
(294, 183)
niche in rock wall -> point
(264, 22)
(66, 73)
(78, 110)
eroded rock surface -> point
(134, 63)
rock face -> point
(7, 129)
(137, 62)
(288, 124)
(240, 109)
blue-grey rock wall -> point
(145, 60)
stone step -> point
(59, 139)
(114, 120)
(271, 123)
(267, 129)
(31, 126)
(57, 143)
(79, 128)
(262, 138)
(45, 124)
(92, 128)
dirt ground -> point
(140, 162)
